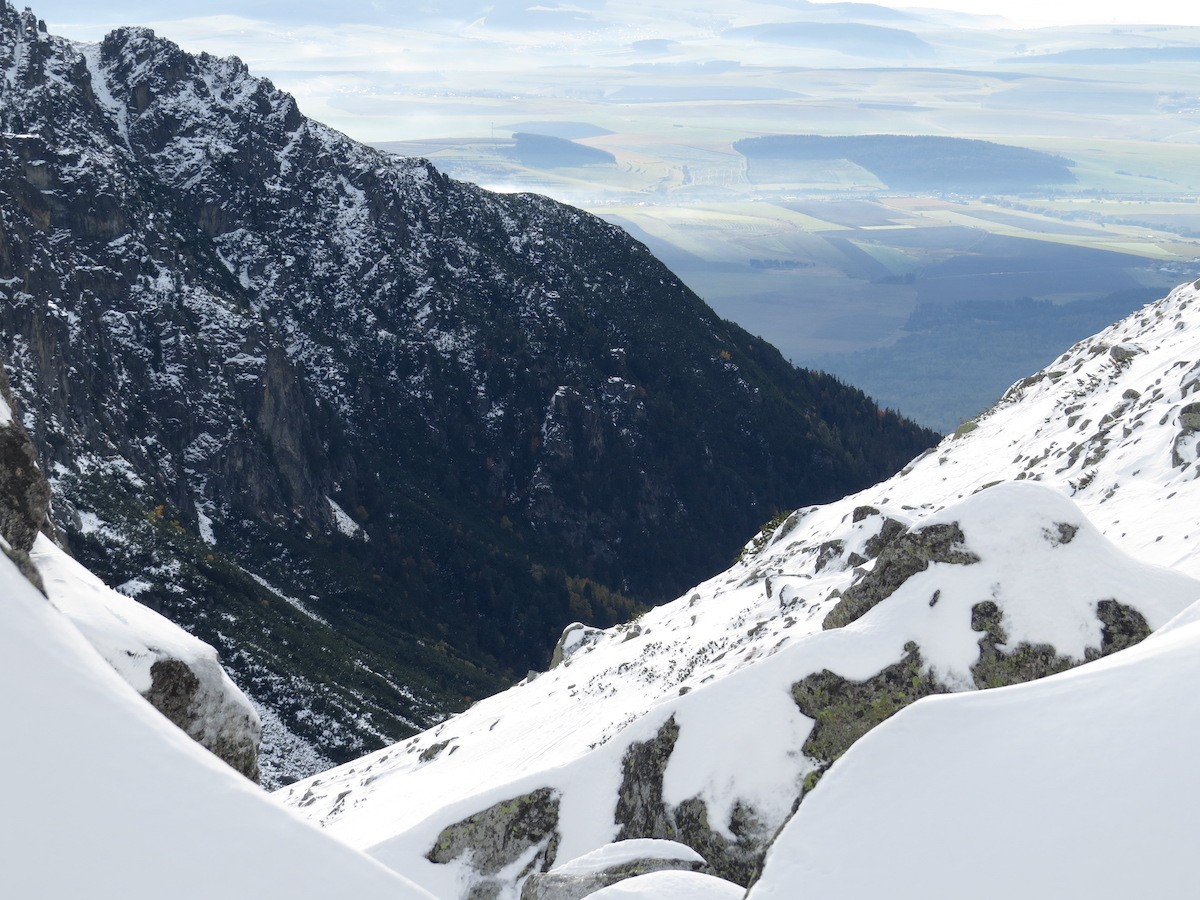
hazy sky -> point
(1067, 12)
(1025, 12)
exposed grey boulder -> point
(643, 813)
(575, 637)
(1123, 353)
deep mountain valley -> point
(375, 434)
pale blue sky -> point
(392, 12)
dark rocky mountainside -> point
(375, 434)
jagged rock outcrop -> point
(642, 812)
(24, 492)
(900, 555)
(297, 389)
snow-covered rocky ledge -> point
(180, 675)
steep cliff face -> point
(314, 400)
(24, 493)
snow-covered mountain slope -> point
(1080, 785)
(179, 674)
(704, 720)
(105, 799)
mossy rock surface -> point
(499, 835)
(641, 812)
(843, 710)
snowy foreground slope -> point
(706, 719)
(1079, 785)
(106, 799)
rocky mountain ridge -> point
(1055, 530)
(375, 434)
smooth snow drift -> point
(1078, 785)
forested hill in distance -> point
(915, 162)
(375, 434)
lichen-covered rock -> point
(499, 836)
(905, 555)
(1000, 665)
(1124, 626)
(888, 532)
(642, 812)
(734, 860)
(843, 710)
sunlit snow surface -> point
(106, 799)
(670, 886)
(1079, 785)
(1102, 436)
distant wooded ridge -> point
(915, 162)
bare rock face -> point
(901, 557)
(642, 812)
(24, 493)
